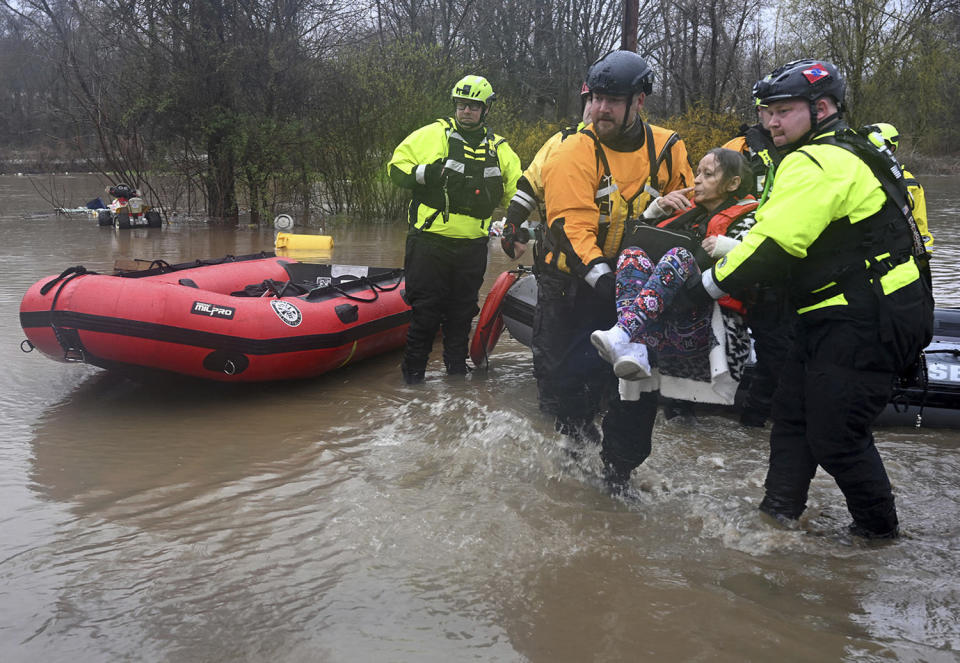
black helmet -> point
(621, 74)
(804, 79)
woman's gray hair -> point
(734, 164)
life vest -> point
(764, 157)
(918, 205)
(614, 209)
(719, 223)
(869, 248)
(472, 180)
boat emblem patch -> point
(287, 312)
(213, 310)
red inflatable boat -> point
(237, 319)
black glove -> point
(694, 292)
(433, 174)
(606, 286)
(513, 232)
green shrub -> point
(703, 129)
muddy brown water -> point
(353, 518)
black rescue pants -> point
(443, 279)
(573, 382)
(771, 320)
(838, 379)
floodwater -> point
(353, 518)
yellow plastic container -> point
(292, 241)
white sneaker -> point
(630, 360)
(610, 342)
(633, 364)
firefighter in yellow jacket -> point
(594, 182)
(459, 172)
(837, 228)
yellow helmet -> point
(474, 88)
(890, 134)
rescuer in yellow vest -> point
(459, 172)
(837, 230)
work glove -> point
(694, 292)
(606, 286)
(513, 233)
(433, 174)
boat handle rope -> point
(65, 277)
(375, 288)
(160, 264)
(926, 384)
(926, 378)
(68, 274)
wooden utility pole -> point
(631, 12)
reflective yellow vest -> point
(476, 179)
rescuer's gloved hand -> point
(606, 286)
(433, 174)
(694, 292)
(513, 239)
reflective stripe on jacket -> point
(477, 178)
(822, 193)
(591, 189)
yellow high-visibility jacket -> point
(918, 200)
(822, 192)
(491, 158)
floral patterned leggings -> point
(645, 290)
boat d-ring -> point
(26, 345)
(229, 367)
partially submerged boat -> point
(935, 402)
(236, 319)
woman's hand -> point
(676, 201)
(718, 246)
(709, 245)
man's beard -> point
(610, 127)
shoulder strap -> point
(601, 155)
(666, 153)
(761, 144)
(651, 159)
(568, 131)
(885, 168)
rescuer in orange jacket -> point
(593, 182)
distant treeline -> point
(297, 104)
